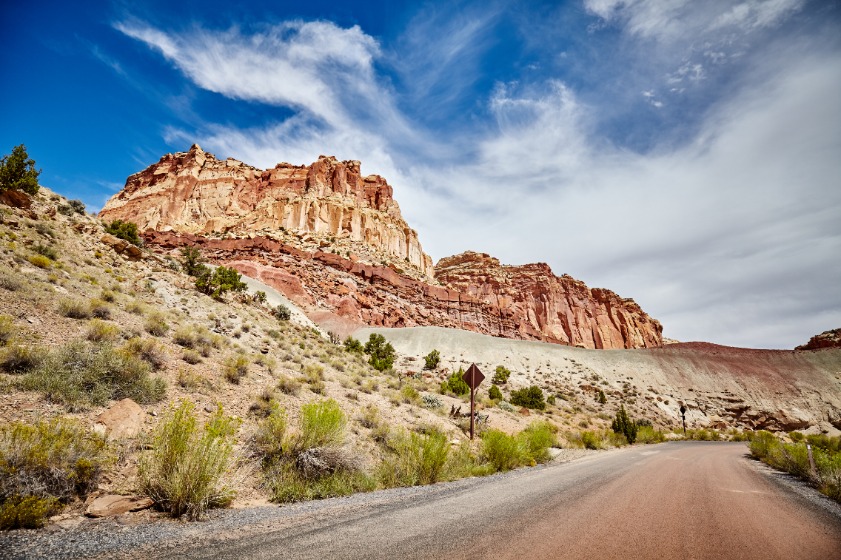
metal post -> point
(812, 461)
(472, 414)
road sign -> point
(473, 377)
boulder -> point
(111, 505)
(122, 420)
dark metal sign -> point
(473, 377)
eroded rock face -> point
(827, 339)
(193, 192)
(342, 294)
(530, 302)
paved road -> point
(680, 500)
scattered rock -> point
(123, 420)
(111, 505)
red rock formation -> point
(531, 302)
(193, 192)
(827, 339)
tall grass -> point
(184, 472)
(416, 459)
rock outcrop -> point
(827, 339)
(334, 243)
(330, 200)
(530, 302)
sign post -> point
(683, 417)
(473, 378)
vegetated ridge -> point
(335, 243)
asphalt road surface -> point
(688, 500)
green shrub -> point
(503, 451)
(147, 349)
(409, 394)
(353, 346)
(647, 434)
(219, 282)
(288, 385)
(537, 439)
(432, 360)
(7, 329)
(43, 466)
(235, 368)
(184, 472)
(102, 331)
(381, 353)
(288, 484)
(281, 312)
(79, 374)
(322, 425)
(46, 251)
(20, 358)
(416, 459)
(270, 438)
(455, 383)
(501, 375)
(622, 424)
(602, 398)
(100, 309)
(530, 397)
(18, 173)
(591, 440)
(156, 324)
(124, 230)
(40, 261)
(494, 393)
(192, 261)
(74, 309)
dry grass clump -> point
(190, 356)
(40, 261)
(156, 324)
(18, 358)
(236, 367)
(80, 374)
(196, 338)
(42, 466)
(288, 385)
(9, 280)
(102, 331)
(74, 309)
(147, 349)
(415, 459)
(184, 473)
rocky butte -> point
(334, 242)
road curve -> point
(679, 500)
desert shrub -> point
(431, 401)
(19, 358)
(219, 282)
(762, 443)
(622, 424)
(282, 312)
(100, 309)
(184, 472)
(199, 339)
(8, 330)
(530, 397)
(259, 297)
(591, 440)
(536, 440)
(156, 324)
(9, 280)
(647, 434)
(432, 360)
(501, 450)
(494, 393)
(322, 424)
(124, 230)
(190, 356)
(147, 349)
(102, 331)
(828, 464)
(79, 374)
(40, 261)
(381, 353)
(74, 309)
(501, 375)
(43, 466)
(409, 394)
(601, 398)
(288, 385)
(455, 383)
(416, 459)
(270, 437)
(77, 206)
(235, 368)
(353, 346)
(506, 406)
(46, 251)
(107, 296)
(287, 483)
(192, 261)
(189, 379)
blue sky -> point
(686, 154)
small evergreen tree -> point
(432, 360)
(18, 173)
(124, 230)
(501, 375)
(221, 280)
(531, 397)
(353, 346)
(623, 424)
(282, 312)
(455, 383)
(495, 393)
(601, 398)
(381, 353)
(192, 261)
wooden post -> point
(812, 461)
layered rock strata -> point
(827, 339)
(193, 192)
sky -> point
(685, 154)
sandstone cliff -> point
(193, 192)
(334, 242)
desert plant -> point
(536, 440)
(530, 397)
(147, 349)
(9, 280)
(99, 308)
(20, 358)
(79, 374)
(7, 329)
(40, 261)
(270, 437)
(432, 360)
(455, 383)
(622, 424)
(288, 385)
(353, 346)
(192, 261)
(431, 401)
(282, 312)
(494, 393)
(381, 353)
(46, 251)
(501, 450)
(43, 466)
(416, 459)
(156, 324)
(647, 434)
(184, 472)
(102, 331)
(235, 368)
(501, 375)
(126, 231)
(322, 424)
(74, 309)
(18, 173)
(190, 356)
(219, 282)
(601, 398)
